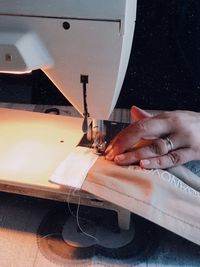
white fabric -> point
(187, 176)
(156, 195)
(73, 170)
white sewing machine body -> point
(66, 39)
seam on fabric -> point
(154, 207)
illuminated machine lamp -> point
(22, 52)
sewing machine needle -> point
(85, 125)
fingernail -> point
(144, 163)
(120, 157)
(108, 149)
(109, 156)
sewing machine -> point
(83, 46)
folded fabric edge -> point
(73, 170)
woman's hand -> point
(161, 141)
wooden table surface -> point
(20, 219)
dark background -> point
(164, 67)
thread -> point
(75, 190)
(49, 235)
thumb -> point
(139, 114)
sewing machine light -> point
(16, 72)
(22, 52)
(68, 40)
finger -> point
(136, 114)
(144, 129)
(126, 158)
(176, 143)
(172, 159)
(152, 149)
(139, 114)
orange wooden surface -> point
(33, 144)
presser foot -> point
(100, 134)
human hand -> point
(161, 141)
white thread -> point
(48, 235)
(78, 223)
(77, 212)
(68, 200)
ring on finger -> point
(169, 144)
